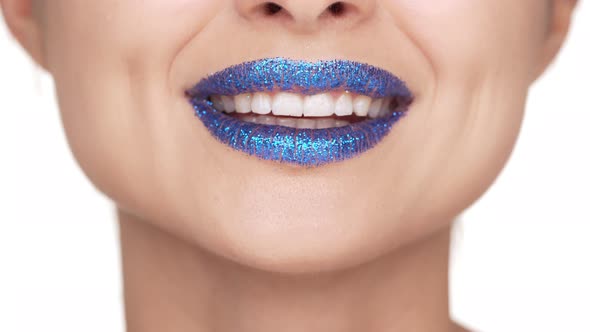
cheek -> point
(110, 35)
(481, 55)
(471, 36)
(111, 64)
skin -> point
(216, 240)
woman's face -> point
(121, 69)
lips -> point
(302, 113)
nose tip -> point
(306, 15)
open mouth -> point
(298, 112)
(319, 111)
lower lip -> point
(302, 147)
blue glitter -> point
(302, 77)
(304, 147)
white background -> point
(521, 258)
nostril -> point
(337, 8)
(271, 8)
(304, 14)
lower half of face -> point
(122, 73)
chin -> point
(301, 243)
(295, 230)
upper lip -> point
(307, 78)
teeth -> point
(300, 123)
(228, 104)
(375, 108)
(290, 106)
(287, 122)
(261, 103)
(343, 105)
(361, 105)
(243, 103)
(287, 104)
(267, 120)
(217, 103)
(318, 105)
(304, 123)
(341, 123)
(325, 123)
(385, 108)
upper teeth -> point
(295, 105)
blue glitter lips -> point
(303, 147)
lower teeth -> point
(301, 123)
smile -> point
(302, 113)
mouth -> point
(301, 113)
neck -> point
(171, 285)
